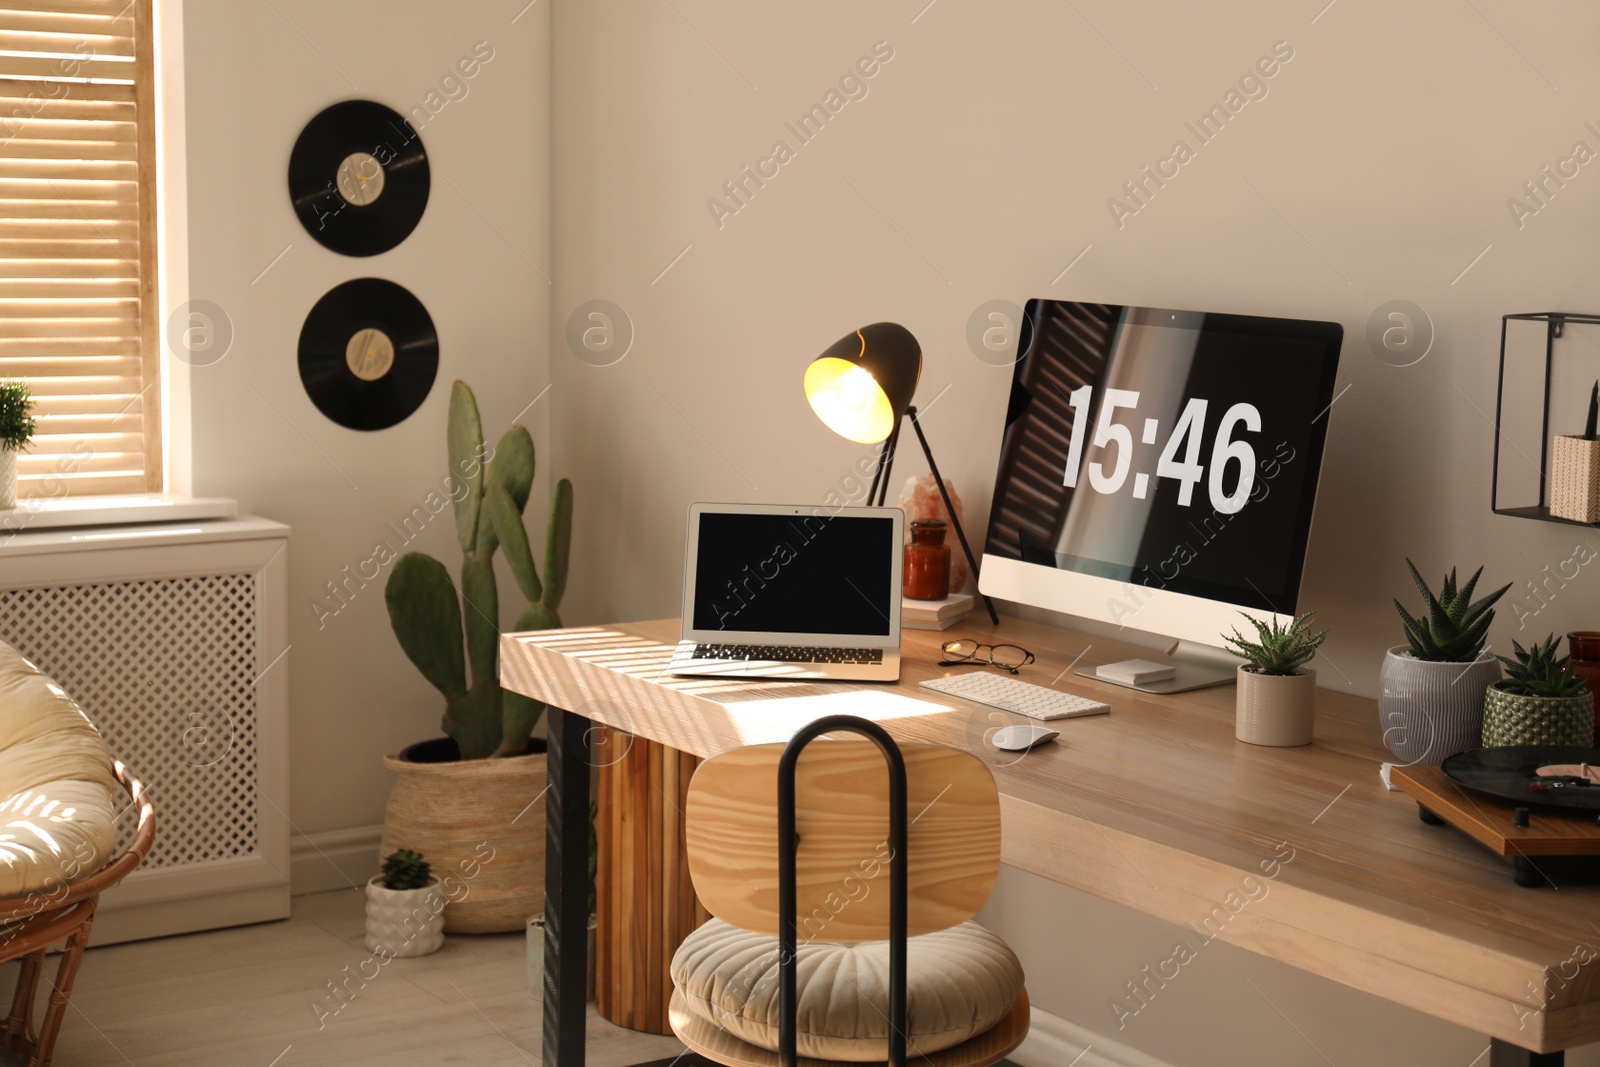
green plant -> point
(1453, 627)
(1281, 649)
(16, 416)
(427, 614)
(1536, 672)
(405, 869)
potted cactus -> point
(473, 799)
(1539, 702)
(1276, 688)
(16, 431)
(405, 909)
(1430, 699)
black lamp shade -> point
(864, 382)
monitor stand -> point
(1197, 667)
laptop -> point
(792, 592)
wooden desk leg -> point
(566, 889)
(1505, 1054)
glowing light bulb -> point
(856, 388)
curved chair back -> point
(842, 819)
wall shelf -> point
(1548, 386)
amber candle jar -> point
(1584, 646)
(927, 575)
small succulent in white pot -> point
(1277, 691)
(16, 432)
(405, 909)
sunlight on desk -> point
(782, 716)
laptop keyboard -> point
(789, 654)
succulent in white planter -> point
(405, 908)
(1277, 691)
(16, 431)
(1431, 689)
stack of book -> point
(934, 614)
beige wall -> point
(256, 73)
(979, 165)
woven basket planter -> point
(480, 824)
(1429, 710)
(1575, 479)
(1514, 719)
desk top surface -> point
(1299, 854)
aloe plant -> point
(405, 869)
(1453, 627)
(428, 616)
(17, 425)
(1536, 672)
(1281, 649)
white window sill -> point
(68, 511)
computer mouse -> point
(1021, 737)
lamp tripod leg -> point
(949, 508)
(880, 477)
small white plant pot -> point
(404, 922)
(1277, 710)
(8, 478)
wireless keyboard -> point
(1009, 694)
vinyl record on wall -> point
(368, 354)
(358, 178)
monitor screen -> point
(795, 574)
(1169, 449)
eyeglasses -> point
(1007, 657)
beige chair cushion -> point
(960, 983)
(57, 824)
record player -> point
(1538, 806)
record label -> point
(358, 178)
(368, 354)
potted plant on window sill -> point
(473, 800)
(1277, 691)
(1431, 689)
(1539, 702)
(405, 908)
(16, 431)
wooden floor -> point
(247, 996)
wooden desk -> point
(1155, 807)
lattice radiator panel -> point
(158, 666)
(174, 650)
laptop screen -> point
(795, 574)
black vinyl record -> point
(368, 354)
(1513, 774)
(358, 178)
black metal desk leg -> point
(1505, 1054)
(566, 889)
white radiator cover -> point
(173, 637)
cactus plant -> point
(405, 869)
(429, 617)
(1282, 649)
(1536, 672)
(1454, 626)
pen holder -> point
(1575, 479)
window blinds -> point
(77, 242)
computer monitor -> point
(1159, 468)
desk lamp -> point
(860, 388)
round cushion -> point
(57, 824)
(960, 983)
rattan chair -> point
(30, 925)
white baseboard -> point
(1054, 1042)
(333, 859)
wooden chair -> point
(30, 925)
(829, 804)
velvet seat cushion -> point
(57, 822)
(961, 982)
